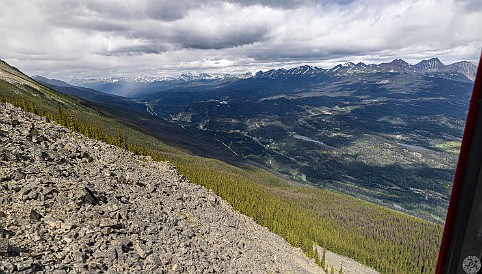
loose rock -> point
(70, 204)
(3, 245)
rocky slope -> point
(69, 204)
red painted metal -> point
(474, 106)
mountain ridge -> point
(424, 67)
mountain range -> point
(462, 70)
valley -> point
(375, 132)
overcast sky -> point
(104, 38)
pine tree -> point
(317, 255)
(323, 259)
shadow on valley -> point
(172, 134)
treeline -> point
(388, 241)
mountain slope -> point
(91, 95)
(74, 204)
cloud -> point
(224, 26)
(469, 6)
(373, 28)
(151, 36)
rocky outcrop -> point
(69, 204)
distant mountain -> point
(152, 79)
(284, 73)
(93, 96)
(466, 68)
(462, 71)
(433, 64)
(135, 86)
(52, 82)
(141, 86)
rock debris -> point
(69, 204)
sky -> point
(110, 38)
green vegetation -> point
(386, 240)
(452, 147)
(323, 260)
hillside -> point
(71, 203)
(381, 238)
